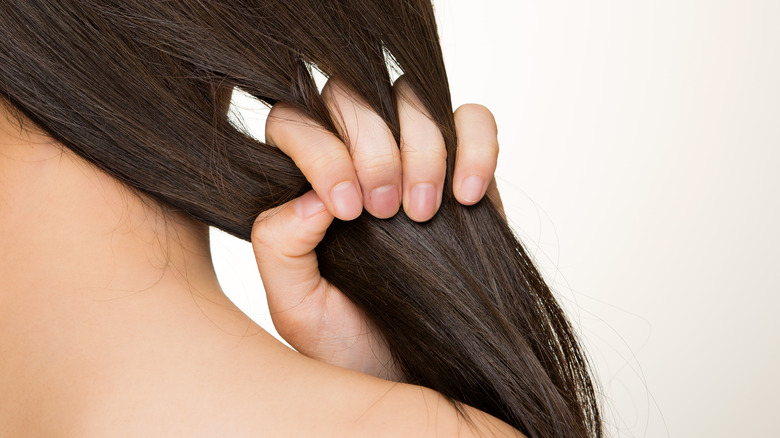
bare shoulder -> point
(352, 404)
(295, 396)
(260, 390)
(415, 411)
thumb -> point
(283, 240)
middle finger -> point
(375, 153)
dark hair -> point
(134, 87)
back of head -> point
(137, 88)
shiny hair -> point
(139, 88)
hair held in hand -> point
(140, 88)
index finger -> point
(321, 156)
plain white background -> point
(639, 165)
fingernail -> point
(308, 205)
(346, 200)
(423, 202)
(385, 200)
(472, 189)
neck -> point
(70, 231)
(105, 297)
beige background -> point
(639, 164)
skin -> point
(113, 323)
(310, 314)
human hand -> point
(371, 170)
(308, 312)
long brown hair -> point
(134, 87)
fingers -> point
(477, 154)
(320, 155)
(423, 154)
(307, 311)
(283, 240)
(374, 151)
(371, 170)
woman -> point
(116, 155)
(83, 356)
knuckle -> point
(333, 87)
(407, 97)
(260, 236)
(264, 233)
(482, 148)
(327, 158)
(376, 164)
(277, 121)
(433, 155)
